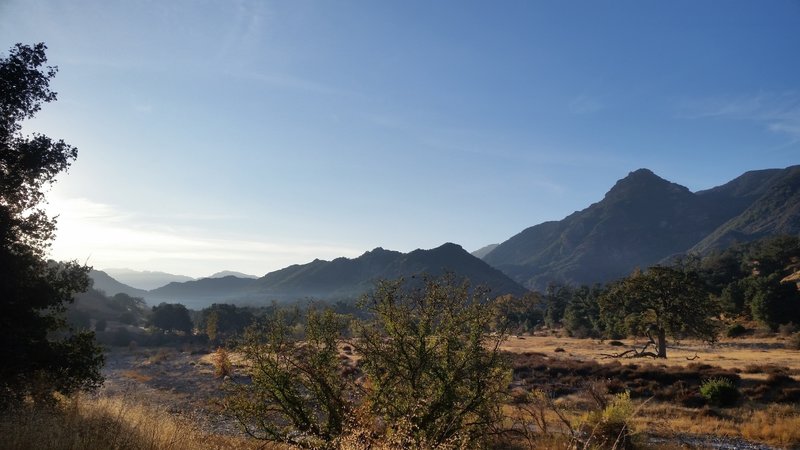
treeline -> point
(746, 282)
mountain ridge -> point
(643, 220)
(340, 278)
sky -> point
(250, 135)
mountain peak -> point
(644, 182)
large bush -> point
(429, 373)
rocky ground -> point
(180, 380)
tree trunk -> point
(662, 343)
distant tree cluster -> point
(686, 299)
(222, 321)
(748, 280)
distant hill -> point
(145, 279)
(104, 282)
(483, 251)
(341, 278)
(231, 273)
(645, 219)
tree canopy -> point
(40, 352)
(660, 302)
(171, 316)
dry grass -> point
(777, 425)
(731, 354)
(106, 423)
(136, 376)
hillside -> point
(341, 278)
(345, 277)
(773, 208)
(645, 219)
(104, 282)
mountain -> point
(231, 273)
(774, 208)
(483, 251)
(104, 282)
(346, 278)
(644, 220)
(342, 278)
(145, 279)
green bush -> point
(719, 392)
(610, 427)
(736, 330)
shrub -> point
(794, 342)
(787, 329)
(736, 330)
(719, 392)
(610, 427)
(222, 363)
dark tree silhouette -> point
(171, 316)
(39, 354)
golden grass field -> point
(733, 353)
(149, 391)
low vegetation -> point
(102, 423)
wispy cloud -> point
(104, 236)
(776, 112)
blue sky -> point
(250, 135)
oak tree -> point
(660, 302)
(39, 354)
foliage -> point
(518, 315)
(772, 302)
(429, 374)
(736, 330)
(222, 320)
(610, 427)
(747, 279)
(556, 299)
(222, 363)
(40, 353)
(429, 360)
(719, 392)
(298, 394)
(661, 301)
(171, 316)
(582, 315)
